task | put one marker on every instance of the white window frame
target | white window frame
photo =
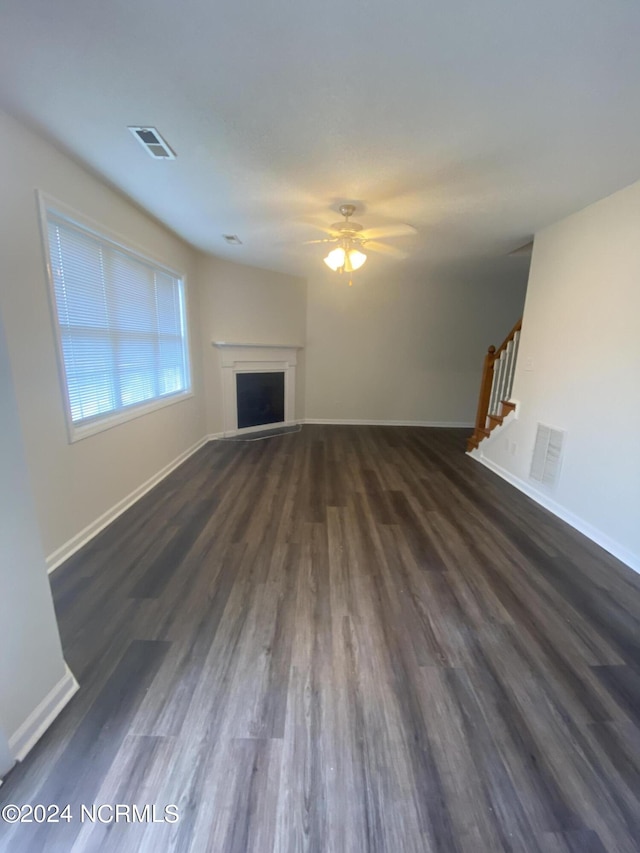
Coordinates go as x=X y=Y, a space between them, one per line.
x=76 y=432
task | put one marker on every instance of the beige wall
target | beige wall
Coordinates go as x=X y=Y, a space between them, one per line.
x=243 y=304
x=398 y=347
x=31 y=663
x=73 y=484
x=578 y=371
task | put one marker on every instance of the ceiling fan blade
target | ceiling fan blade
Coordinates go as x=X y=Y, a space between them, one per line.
x=325 y=240
x=385 y=250
x=399 y=230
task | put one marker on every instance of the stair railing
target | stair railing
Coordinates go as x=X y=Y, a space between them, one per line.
x=497 y=381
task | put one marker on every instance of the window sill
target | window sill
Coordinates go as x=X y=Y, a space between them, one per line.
x=77 y=433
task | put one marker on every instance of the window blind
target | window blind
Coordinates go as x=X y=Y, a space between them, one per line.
x=121 y=321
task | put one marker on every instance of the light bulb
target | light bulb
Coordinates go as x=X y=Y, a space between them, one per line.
x=335 y=259
x=356 y=259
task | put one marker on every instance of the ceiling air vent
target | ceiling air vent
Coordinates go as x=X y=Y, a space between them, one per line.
x=232 y=239
x=152 y=142
x=547 y=453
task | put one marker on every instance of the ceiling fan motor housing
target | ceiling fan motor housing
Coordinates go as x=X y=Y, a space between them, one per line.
x=347 y=228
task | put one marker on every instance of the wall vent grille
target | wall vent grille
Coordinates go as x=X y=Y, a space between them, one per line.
x=547 y=455
x=153 y=143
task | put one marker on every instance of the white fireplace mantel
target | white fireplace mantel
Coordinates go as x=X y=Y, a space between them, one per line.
x=253 y=358
x=262 y=346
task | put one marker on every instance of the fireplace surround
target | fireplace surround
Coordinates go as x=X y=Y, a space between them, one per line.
x=251 y=358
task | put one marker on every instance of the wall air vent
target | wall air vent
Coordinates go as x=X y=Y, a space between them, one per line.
x=232 y=239
x=547 y=454
x=153 y=143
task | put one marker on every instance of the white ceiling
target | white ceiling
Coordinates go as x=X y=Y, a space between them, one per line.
x=476 y=121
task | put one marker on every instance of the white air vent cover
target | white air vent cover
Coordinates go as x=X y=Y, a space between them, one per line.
x=153 y=143
x=547 y=452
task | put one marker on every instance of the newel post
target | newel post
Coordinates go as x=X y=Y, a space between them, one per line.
x=485 y=390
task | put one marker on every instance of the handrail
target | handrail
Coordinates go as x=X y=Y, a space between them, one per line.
x=489 y=388
x=510 y=337
x=485 y=389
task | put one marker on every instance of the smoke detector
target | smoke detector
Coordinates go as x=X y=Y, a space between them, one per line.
x=153 y=143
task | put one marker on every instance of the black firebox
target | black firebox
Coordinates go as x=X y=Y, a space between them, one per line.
x=260 y=398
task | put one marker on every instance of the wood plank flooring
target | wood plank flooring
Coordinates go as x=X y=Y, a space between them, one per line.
x=340 y=640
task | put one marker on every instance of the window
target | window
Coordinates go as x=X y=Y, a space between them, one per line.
x=121 y=327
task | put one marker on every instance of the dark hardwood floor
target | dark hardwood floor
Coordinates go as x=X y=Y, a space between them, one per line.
x=344 y=639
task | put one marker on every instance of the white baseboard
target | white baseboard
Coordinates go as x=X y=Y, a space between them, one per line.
x=41 y=718
x=351 y=422
x=80 y=539
x=619 y=551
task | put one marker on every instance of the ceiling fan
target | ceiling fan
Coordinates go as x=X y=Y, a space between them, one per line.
x=351 y=238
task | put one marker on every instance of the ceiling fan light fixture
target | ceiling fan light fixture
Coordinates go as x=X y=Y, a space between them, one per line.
x=345 y=260
x=350 y=238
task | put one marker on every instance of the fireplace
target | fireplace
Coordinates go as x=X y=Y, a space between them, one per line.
x=258 y=385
